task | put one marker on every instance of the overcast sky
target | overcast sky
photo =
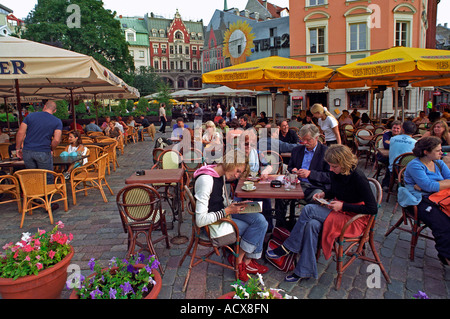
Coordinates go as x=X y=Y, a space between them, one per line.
x=189 y=10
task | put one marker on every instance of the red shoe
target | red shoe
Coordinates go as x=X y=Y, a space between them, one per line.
x=231 y=259
x=243 y=274
x=253 y=267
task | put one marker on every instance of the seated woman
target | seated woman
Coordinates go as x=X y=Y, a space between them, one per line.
x=350 y=194
x=440 y=130
x=212 y=204
x=428 y=174
x=112 y=130
x=74 y=148
x=211 y=136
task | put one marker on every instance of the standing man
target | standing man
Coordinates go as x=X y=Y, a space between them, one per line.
x=38 y=136
x=198 y=113
x=162 y=117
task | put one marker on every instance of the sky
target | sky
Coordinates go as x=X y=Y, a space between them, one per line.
x=189 y=10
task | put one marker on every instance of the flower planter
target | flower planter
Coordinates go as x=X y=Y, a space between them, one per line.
x=48 y=284
x=153 y=294
x=228 y=295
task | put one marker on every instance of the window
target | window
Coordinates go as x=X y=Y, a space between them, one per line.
x=357 y=100
x=171 y=49
x=187 y=66
x=131 y=37
x=155 y=49
x=358 y=36
x=156 y=64
x=402 y=33
x=194 y=65
x=141 y=54
x=164 y=65
x=186 y=50
x=179 y=35
x=316 y=2
x=132 y=53
x=163 y=49
x=194 y=50
x=317 y=40
x=172 y=65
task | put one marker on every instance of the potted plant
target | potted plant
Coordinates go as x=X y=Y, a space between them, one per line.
x=36 y=266
x=255 y=288
x=135 y=278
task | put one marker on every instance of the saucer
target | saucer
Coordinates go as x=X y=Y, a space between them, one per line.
x=248 y=190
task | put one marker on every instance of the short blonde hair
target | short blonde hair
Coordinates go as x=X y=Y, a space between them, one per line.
x=341 y=155
x=210 y=124
x=235 y=158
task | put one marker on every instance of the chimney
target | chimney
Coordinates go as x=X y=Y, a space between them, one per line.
x=265 y=3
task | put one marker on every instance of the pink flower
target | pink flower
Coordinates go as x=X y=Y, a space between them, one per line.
x=37 y=242
x=27 y=258
x=28 y=248
x=16 y=254
x=41 y=231
x=7 y=246
x=39 y=266
x=60 y=224
x=38 y=257
x=51 y=254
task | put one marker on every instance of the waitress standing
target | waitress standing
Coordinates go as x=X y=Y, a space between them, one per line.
x=328 y=124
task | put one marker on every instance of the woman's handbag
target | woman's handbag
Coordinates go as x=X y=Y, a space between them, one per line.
x=285 y=263
x=442 y=199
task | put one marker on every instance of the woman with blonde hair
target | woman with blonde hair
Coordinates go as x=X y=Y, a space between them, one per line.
x=350 y=194
x=213 y=204
x=211 y=136
x=440 y=130
x=328 y=124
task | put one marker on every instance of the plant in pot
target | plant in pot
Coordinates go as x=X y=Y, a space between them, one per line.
x=36 y=266
x=135 y=278
x=255 y=288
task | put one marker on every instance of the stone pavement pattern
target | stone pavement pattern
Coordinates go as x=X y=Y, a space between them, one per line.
x=98 y=233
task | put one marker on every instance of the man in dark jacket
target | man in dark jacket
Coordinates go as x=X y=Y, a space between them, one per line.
x=307 y=161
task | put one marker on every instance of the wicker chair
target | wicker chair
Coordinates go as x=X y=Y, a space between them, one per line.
x=399 y=162
x=272 y=158
x=409 y=216
x=343 y=245
x=141 y=213
x=111 y=150
x=9 y=186
x=35 y=189
x=92 y=173
x=363 y=146
x=95 y=134
x=201 y=237
x=4 y=150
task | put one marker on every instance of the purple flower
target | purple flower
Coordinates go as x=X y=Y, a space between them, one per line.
x=96 y=292
x=148 y=269
x=140 y=259
x=112 y=293
x=131 y=269
x=420 y=295
x=155 y=264
x=126 y=287
x=144 y=289
x=92 y=264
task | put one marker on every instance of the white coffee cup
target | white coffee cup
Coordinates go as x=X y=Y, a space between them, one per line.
x=249 y=185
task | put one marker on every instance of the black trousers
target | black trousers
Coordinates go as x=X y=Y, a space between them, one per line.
x=438 y=222
x=162 y=129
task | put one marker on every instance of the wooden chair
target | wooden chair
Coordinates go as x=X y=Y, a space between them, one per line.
x=9 y=187
x=86 y=139
x=94 y=152
x=347 y=134
x=121 y=143
x=111 y=150
x=379 y=130
x=132 y=135
x=200 y=237
x=363 y=146
x=35 y=189
x=409 y=217
x=192 y=160
x=344 y=246
x=271 y=158
x=4 y=150
x=58 y=150
x=150 y=131
x=95 y=134
x=423 y=128
x=90 y=176
x=141 y=213
x=377 y=165
x=156 y=152
x=399 y=162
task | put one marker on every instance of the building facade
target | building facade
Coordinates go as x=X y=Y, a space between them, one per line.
x=172 y=47
x=235 y=36
x=334 y=33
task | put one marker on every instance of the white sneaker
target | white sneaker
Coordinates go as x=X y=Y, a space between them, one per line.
x=66 y=175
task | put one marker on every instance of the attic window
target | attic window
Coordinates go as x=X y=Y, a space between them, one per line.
x=124 y=25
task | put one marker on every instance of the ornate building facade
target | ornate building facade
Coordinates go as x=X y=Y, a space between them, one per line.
x=172 y=47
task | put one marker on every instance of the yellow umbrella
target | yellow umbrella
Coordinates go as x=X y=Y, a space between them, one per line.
x=420 y=67
x=272 y=73
x=268 y=72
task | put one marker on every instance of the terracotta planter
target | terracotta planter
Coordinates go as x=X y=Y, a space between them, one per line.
x=48 y=284
x=153 y=294
x=228 y=295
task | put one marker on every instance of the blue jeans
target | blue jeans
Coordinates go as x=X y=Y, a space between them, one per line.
x=39 y=160
x=304 y=239
x=252 y=229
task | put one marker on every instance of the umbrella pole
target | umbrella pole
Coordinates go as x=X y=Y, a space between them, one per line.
x=73 y=110
x=19 y=105
x=403 y=103
x=7 y=117
x=396 y=100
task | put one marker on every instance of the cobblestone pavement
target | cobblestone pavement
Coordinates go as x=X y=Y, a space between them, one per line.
x=98 y=234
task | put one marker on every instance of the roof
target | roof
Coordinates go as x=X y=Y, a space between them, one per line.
x=139 y=26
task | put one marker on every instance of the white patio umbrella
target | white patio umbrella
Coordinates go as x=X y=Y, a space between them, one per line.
x=32 y=70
